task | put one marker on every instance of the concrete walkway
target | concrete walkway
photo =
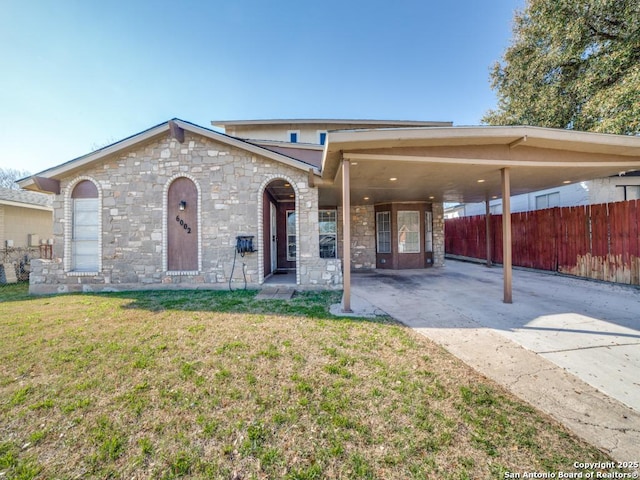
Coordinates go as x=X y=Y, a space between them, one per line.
x=570 y=347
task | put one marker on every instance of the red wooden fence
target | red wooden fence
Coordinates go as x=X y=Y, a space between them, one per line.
x=594 y=241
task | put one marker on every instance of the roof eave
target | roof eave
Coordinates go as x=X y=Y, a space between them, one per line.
x=80 y=162
x=340 y=140
x=32 y=206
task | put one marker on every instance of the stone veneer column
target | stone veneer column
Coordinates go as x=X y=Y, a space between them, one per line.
x=363 y=237
x=438 y=234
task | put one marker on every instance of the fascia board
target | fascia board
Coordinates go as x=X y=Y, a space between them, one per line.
x=25 y=205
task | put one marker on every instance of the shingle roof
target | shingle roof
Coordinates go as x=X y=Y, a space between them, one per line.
x=26 y=197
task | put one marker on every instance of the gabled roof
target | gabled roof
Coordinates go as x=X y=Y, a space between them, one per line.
x=175 y=124
x=23 y=198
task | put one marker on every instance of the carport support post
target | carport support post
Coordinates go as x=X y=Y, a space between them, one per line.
x=487 y=220
x=346 y=237
x=506 y=235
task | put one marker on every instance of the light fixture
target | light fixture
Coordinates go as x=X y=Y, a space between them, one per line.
x=566 y=181
x=481 y=181
x=366 y=198
x=354 y=163
x=287 y=184
x=393 y=179
x=182 y=205
x=431 y=197
x=494 y=197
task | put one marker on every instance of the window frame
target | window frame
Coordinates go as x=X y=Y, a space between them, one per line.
x=81 y=193
x=386 y=213
x=428 y=231
x=290 y=235
x=290 y=134
x=325 y=235
x=547 y=197
x=85 y=234
x=402 y=244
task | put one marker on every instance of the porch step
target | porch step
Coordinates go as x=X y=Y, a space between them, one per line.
x=275 y=293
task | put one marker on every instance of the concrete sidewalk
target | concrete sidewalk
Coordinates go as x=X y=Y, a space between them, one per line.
x=570 y=347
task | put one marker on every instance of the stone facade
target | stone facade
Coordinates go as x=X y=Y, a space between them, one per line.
x=132 y=188
x=132 y=214
x=363 y=237
x=438 y=234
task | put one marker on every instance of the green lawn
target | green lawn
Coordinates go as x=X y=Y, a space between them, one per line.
x=200 y=384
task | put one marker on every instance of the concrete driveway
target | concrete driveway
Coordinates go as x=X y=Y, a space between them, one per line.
x=569 y=346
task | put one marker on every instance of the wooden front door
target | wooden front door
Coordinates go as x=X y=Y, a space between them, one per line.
x=182 y=226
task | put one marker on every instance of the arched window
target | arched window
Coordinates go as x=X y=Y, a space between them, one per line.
x=85 y=228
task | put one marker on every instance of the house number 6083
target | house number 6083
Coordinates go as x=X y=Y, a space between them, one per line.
x=183 y=224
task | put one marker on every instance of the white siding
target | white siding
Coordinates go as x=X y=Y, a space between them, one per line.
x=601 y=190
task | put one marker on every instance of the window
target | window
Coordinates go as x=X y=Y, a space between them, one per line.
x=633 y=192
x=322 y=137
x=291 y=235
x=428 y=231
x=293 y=136
x=383 y=231
x=327 y=226
x=408 y=232
x=629 y=192
x=85 y=227
x=549 y=200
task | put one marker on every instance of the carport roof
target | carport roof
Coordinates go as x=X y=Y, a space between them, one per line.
x=462 y=164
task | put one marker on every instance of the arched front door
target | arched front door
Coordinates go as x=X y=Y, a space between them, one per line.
x=182 y=225
x=279 y=228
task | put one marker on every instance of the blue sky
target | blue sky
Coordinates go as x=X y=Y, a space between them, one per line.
x=81 y=74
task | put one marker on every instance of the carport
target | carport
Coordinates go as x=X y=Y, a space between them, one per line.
x=464 y=164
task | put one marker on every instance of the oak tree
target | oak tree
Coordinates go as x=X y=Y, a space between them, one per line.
x=572 y=64
x=8 y=177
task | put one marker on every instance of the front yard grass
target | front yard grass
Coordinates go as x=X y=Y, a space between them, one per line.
x=201 y=384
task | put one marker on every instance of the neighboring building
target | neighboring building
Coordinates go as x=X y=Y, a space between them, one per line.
x=601 y=190
x=182 y=206
x=26 y=231
x=26 y=218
